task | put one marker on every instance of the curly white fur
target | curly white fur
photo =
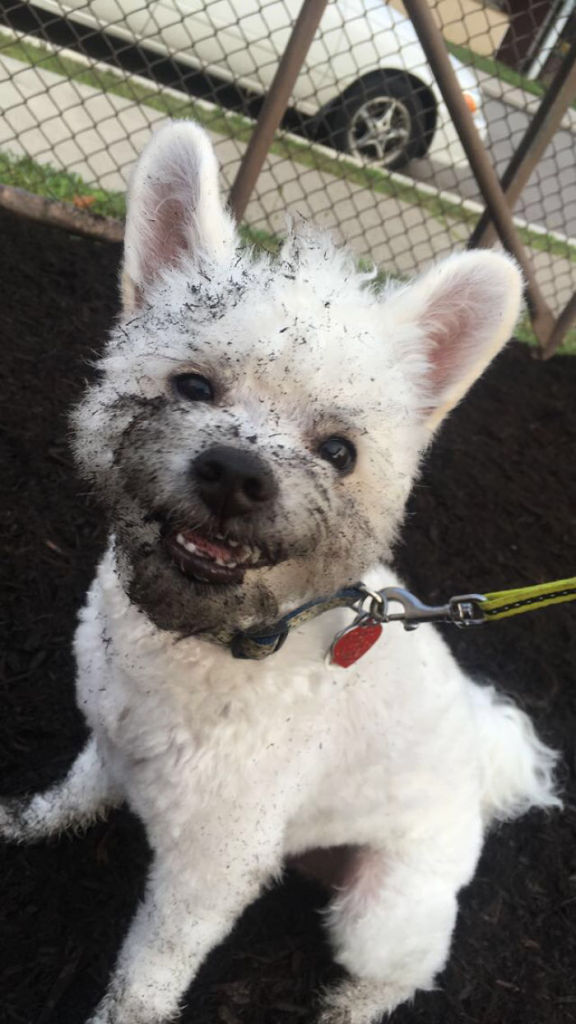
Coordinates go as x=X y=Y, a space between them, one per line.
x=233 y=765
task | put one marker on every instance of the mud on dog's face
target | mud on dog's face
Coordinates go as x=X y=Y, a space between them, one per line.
x=259 y=421
x=234 y=483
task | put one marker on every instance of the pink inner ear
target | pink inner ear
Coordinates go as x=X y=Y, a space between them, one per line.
x=166 y=230
x=447 y=327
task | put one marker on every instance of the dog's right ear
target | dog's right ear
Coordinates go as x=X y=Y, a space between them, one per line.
x=174 y=210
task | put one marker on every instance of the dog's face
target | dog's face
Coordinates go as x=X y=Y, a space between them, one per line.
x=259 y=421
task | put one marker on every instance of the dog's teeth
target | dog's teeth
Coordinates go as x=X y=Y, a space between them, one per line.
x=246 y=555
x=186 y=544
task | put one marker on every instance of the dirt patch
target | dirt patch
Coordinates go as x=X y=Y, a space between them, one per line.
x=494 y=508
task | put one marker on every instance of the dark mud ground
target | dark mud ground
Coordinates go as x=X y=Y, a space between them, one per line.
x=495 y=507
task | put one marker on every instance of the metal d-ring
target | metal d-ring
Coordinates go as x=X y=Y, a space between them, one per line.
x=378 y=607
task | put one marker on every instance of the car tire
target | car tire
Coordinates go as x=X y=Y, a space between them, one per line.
x=382 y=99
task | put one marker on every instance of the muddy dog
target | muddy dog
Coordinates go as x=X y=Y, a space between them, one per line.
x=254 y=433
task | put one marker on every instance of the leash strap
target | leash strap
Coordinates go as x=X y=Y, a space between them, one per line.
x=501 y=604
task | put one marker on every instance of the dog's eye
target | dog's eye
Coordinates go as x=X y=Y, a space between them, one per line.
x=340 y=452
x=193 y=387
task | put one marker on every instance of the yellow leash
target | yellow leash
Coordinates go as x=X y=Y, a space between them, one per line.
x=501 y=604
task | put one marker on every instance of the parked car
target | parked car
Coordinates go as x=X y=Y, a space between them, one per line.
x=365 y=83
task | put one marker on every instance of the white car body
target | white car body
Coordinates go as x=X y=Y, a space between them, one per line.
x=242 y=41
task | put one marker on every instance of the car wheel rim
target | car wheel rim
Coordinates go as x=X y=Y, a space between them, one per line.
x=380 y=130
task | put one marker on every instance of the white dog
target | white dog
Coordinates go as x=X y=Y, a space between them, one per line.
x=254 y=436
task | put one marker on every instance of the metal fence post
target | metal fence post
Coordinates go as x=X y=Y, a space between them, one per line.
x=540 y=130
x=433 y=45
x=563 y=324
x=275 y=103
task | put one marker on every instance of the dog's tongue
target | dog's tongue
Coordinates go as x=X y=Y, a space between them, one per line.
x=209 y=547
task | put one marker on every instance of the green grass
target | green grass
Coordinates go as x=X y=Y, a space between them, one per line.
x=46 y=181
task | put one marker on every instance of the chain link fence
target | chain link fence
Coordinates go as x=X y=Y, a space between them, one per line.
x=366 y=148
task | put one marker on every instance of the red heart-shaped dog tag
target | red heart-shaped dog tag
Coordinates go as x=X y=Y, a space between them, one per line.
x=353 y=642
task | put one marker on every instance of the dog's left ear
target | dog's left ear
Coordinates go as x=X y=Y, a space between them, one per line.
x=465 y=309
x=174 y=210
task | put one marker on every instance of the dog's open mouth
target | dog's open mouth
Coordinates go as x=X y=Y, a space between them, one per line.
x=216 y=559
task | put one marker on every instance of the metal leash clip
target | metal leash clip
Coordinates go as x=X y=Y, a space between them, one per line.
x=373 y=610
x=464 y=610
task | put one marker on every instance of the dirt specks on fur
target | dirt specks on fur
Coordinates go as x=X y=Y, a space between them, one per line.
x=494 y=508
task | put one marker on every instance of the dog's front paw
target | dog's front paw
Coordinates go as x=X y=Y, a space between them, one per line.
x=121 y=1010
x=361 y=1001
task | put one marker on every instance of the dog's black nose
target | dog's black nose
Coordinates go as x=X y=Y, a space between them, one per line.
x=233 y=482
